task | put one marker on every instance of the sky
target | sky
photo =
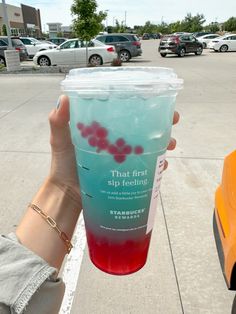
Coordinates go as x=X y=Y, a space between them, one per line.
x=137 y=12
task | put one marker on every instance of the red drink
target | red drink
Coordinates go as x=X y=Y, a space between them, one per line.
x=118 y=258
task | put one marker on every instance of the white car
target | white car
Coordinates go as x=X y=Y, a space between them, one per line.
x=73 y=52
x=223 y=43
x=33 y=45
x=205 y=39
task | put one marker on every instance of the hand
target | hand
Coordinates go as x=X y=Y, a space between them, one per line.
x=59 y=196
x=172 y=143
x=63 y=164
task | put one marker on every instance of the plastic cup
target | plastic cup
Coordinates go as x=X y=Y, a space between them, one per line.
x=120 y=120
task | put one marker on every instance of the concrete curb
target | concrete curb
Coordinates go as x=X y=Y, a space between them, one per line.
x=38 y=70
x=45 y=70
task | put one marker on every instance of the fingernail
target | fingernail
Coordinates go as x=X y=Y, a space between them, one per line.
x=58 y=102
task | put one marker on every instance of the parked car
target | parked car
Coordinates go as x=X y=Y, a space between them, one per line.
x=73 y=52
x=127 y=45
x=224 y=222
x=16 y=44
x=151 y=36
x=199 y=34
x=145 y=36
x=44 y=41
x=156 y=35
x=223 y=43
x=2 y=56
x=58 y=40
x=179 y=45
x=205 y=39
x=181 y=33
x=33 y=45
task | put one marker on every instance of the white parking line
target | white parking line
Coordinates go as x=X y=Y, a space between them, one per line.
x=71 y=270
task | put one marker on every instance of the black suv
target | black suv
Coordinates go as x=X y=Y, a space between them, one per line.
x=127 y=45
x=16 y=44
x=180 y=45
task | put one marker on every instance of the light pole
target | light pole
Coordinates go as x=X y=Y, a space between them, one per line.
x=5 y=18
x=107 y=20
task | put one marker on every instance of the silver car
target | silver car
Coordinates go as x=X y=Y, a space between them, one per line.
x=127 y=45
x=205 y=39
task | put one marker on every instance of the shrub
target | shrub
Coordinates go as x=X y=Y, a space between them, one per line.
x=116 y=62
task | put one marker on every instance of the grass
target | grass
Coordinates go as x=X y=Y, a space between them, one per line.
x=2 y=67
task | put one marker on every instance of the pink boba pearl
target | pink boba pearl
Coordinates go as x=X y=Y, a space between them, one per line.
x=138 y=150
x=119 y=158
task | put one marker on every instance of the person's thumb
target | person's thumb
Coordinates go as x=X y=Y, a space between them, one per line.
x=59 y=124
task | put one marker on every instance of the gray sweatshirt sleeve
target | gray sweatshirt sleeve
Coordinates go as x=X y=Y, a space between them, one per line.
x=27 y=283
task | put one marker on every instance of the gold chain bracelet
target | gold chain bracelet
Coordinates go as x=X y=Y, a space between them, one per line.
x=53 y=224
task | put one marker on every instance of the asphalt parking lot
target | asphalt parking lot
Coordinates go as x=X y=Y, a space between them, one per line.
x=182 y=274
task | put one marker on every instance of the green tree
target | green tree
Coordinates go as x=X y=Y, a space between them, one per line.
x=87 y=23
x=193 y=24
x=119 y=28
x=163 y=28
x=138 y=29
x=212 y=27
x=230 y=24
x=4 y=30
x=45 y=35
x=110 y=29
x=176 y=27
x=149 y=28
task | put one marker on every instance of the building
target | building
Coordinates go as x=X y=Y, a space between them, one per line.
x=15 y=18
x=24 y=20
x=32 y=21
x=66 y=31
x=57 y=30
x=54 y=29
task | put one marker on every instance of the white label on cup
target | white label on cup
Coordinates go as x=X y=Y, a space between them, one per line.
x=155 y=191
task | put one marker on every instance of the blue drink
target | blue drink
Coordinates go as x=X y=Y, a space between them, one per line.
x=120 y=127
